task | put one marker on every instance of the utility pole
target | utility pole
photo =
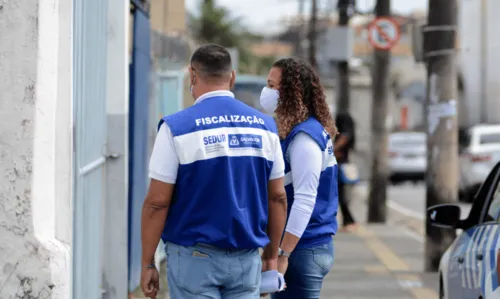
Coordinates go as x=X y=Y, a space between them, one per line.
x=343 y=87
x=377 y=210
x=313 y=34
x=442 y=122
x=299 y=50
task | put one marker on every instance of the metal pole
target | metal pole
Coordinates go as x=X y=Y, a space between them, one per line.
x=442 y=126
x=343 y=86
x=300 y=31
x=312 y=34
x=377 y=210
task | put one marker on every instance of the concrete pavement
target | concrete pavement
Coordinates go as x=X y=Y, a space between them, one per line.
x=379 y=261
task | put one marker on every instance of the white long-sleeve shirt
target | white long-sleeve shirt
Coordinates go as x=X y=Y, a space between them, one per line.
x=306 y=162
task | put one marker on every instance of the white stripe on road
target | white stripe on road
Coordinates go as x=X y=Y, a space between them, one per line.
x=417 y=237
x=405 y=211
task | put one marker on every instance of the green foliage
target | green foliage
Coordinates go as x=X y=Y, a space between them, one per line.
x=264 y=64
x=215 y=24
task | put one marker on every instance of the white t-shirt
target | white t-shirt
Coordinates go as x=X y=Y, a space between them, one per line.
x=164 y=162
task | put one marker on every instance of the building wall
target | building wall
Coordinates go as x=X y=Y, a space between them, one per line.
x=35 y=149
x=168 y=16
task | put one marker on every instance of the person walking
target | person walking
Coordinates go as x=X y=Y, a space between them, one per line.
x=217 y=191
x=344 y=143
x=306 y=130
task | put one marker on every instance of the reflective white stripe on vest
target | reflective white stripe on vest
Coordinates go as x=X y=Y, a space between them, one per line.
x=227 y=141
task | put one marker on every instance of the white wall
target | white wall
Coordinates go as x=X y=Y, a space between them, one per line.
x=493 y=62
x=35 y=150
x=479 y=59
x=115 y=243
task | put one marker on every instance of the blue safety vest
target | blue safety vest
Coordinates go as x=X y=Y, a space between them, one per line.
x=226 y=153
x=323 y=223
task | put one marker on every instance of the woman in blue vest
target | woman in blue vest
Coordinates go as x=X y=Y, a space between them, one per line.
x=306 y=129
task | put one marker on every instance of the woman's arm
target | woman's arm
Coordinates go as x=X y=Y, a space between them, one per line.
x=306 y=161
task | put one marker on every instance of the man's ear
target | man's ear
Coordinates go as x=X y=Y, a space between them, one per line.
x=233 y=79
x=192 y=75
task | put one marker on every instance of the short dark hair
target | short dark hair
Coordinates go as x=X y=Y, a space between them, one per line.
x=212 y=61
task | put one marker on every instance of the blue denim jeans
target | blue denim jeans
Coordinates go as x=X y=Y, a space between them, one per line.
x=307 y=268
x=204 y=271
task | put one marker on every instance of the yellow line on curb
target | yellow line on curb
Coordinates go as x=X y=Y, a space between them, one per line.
x=385 y=254
x=394 y=263
x=376 y=270
x=423 y=293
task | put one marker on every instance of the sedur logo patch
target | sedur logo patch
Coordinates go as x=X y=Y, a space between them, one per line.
x=245 y=141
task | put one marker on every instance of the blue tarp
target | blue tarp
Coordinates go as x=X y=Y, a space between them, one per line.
x=138 y=139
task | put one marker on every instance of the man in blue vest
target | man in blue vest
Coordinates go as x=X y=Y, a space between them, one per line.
x=217 y=192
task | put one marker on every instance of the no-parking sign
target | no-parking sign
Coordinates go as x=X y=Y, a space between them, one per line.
x=383 y=33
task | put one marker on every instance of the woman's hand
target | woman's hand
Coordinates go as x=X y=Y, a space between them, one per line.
x=282 y=264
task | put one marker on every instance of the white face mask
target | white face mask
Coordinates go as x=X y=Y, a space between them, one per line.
x=269 y=99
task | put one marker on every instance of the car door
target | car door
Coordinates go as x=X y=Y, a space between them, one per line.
x=464 y=272
x=459 y=279
x=487 y=250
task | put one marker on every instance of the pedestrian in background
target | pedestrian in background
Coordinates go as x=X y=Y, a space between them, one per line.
x=216 y=188
x=306 y=129
x=344 y=143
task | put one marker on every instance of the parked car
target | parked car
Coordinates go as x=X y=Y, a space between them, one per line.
x=470 y=267
x=247 y=88
x=479 y=151
x=407 y=156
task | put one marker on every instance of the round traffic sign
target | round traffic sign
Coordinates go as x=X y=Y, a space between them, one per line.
x=383 y=33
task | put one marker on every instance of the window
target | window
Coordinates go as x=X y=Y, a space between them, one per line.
x=489 y=138
x=464 y=139
x=248 y=93
x=494 y=208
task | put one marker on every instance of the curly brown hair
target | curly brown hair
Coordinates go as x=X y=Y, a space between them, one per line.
x=301 y=96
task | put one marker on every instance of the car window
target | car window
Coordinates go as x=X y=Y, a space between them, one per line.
x=494 y=210
x=464 y=138
x=248 y=93
x=482 y=201
x=493 y=213
x=489 y=138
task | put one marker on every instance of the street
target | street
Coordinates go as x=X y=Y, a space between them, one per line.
x=407 y=199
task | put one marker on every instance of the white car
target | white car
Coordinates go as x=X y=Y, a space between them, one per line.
x=407 y=156
x=479 y=151
x=470 y=269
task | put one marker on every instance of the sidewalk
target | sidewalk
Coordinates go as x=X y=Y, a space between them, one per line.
x=378 y=261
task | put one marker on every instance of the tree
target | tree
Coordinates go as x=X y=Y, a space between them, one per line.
x=215 y=24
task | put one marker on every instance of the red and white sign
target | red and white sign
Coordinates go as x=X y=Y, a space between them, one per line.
x=383 y=33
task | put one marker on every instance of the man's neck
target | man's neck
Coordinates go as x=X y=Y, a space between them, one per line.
x=212 y=88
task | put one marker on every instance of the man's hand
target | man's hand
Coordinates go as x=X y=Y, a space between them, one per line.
x=150 y=282
x=282 y=264
x=267 y=265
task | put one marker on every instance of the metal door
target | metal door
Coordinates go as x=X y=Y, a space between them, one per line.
x=138 y=139
x=89 y=112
